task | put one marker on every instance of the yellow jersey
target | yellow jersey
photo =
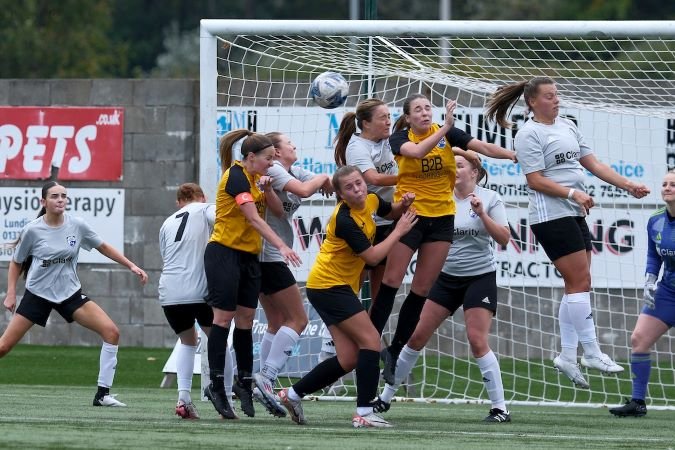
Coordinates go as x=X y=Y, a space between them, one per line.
x=231 y=228
x=349 y=232
x=431 y=178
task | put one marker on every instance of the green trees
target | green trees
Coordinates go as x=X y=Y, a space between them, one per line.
x=136 y=38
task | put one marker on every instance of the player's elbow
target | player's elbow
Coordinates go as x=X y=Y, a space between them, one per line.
x=370 y=257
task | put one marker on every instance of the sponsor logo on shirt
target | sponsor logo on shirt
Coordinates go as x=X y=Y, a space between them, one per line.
x=48 y=262
x=385 y=168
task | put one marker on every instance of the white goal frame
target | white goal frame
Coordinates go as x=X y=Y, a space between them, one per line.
x=211 y=29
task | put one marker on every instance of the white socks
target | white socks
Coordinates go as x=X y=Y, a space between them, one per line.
x=265 y=346
x=492 y=377
x=406 y=361
x=185 y=362
x=282 y=347
x=581 y=315
x=293 y=395
x=107 y=365
x=568 y=334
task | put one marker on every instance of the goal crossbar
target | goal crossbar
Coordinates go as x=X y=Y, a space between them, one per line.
x=437 y=28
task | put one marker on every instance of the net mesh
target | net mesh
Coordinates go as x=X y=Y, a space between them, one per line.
x=620 y=92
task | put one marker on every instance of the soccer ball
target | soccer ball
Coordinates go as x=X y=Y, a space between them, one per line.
x=329 y=90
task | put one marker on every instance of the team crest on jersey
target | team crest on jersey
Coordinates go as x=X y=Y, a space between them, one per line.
x=71 y=240
x=472 y=214
x=441 y=143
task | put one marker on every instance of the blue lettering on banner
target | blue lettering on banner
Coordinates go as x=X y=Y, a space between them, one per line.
x=317 y=166
x=333 y=128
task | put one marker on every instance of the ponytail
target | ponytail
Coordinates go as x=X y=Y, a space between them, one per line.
x=400 y=123
x=482 y=173
x=344 y=134
x=503 y=100
x=253 y=144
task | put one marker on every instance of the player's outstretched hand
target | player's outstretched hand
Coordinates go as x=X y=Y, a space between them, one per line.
x=407 y=220
x=290 y=256
x=140 y=272
x=450 y=112
x=637 y=190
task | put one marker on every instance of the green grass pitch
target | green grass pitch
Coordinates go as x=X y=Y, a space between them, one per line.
x=46 y=395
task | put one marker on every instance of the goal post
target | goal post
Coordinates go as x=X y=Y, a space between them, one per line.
x=615 y=80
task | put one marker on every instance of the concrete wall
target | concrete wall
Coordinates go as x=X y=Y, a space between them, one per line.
x=160 y=138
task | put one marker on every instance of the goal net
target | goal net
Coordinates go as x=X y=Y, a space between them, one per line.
x=615 y=80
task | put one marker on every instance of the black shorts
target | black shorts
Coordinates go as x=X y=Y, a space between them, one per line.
x=232 y=276
x=276 y=276
x=37 y=309
x=562 y=237
x=334 y=305
x=430 y=229
x=381 y=233
x=478 y=291
x=182 y=317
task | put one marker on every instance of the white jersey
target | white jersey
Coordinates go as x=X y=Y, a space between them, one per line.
x=554 y=150
x=471 y=251
x=53 y=273
x=182 y=241
x=283 y=226
x=367 y=155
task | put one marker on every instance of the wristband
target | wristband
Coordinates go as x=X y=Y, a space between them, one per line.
x=571 y=193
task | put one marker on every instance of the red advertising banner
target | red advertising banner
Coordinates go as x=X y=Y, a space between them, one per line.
x=83 y=143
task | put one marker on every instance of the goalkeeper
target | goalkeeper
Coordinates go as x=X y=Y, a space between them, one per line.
x=658 y=312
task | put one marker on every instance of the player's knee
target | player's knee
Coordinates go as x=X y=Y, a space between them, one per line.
x=111 y=334
x=348 y=361
x=582 y=282
x=4 y=348
x=477 y=342
x=637 y=341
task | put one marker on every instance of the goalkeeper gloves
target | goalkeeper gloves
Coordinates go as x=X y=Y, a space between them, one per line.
x=650 y=287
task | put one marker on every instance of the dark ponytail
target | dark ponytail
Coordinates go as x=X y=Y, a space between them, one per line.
x=505 y=98
x=482 y=173
x=344 y=134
